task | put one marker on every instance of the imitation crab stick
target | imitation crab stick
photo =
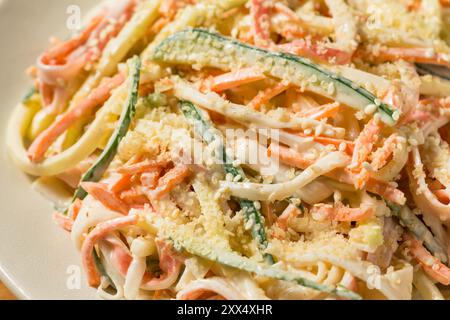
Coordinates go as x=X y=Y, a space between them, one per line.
x=341 y=213
x=264 y=96
x=40 y=145
x=235 y=79
x=295 y=159
x=260 y=14
x=430 y=264
x=102 y=193
x=99 y=232
x=168 y=263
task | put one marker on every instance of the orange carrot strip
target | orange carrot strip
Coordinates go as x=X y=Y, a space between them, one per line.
x=99 y=232
x=364 y=144
x=134 y=197
x=264 y=96
x=76 y=207
x=260 y=13
x=101 y=193
x=349 y=145
x=150 y=179
x=380 y=158
x=414 y=55
x=445 y=3
x=121 y=183
x=436 y=102
x=63 y=221
x=169 y=181
x=144 y=166
x=322 y=112
x=294 y=159
x=316 y=51
x=429 y=263
x=40 y=145
x=235 y=79
x=289 y=213
x=56 y=54
x=342 y=213
x=442 y=195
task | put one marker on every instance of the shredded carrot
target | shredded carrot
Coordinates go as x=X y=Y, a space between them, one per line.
x=341 y=213
x=322 y=112
x=430 y=264
x=169 y=181
x=144 y=166
x=289 y=213
x=75 y=208
x=59 y=52
x=134 y=197
x=316 y=51
x=264 y=96
x=442 y=195
x=40 y=145
x=295 y=159
x=235 y=79
x=102 y=193
x=63 y=221
x=414 y=55
x=99 y=232
x=443 y=103
x=260 y=13
x=121 y=182
x=338 y=143
x=434 y=185
x=364 y=144
x=380 y=158
x=150 y=179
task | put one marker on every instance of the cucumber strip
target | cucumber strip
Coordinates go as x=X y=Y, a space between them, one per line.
x=97 y=170
x=251 y=214
x=438 y=71
x=420 y=231
x=30 y=93
x=198 y=247
x=206 y=49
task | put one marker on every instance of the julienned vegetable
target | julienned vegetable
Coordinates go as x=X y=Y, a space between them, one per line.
x=200 y=248
x=419 y=229
x=209 y=135
x=206 y=49
x=96 y=172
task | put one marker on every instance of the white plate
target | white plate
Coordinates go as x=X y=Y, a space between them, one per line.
x=35 y=255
